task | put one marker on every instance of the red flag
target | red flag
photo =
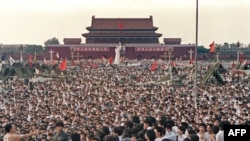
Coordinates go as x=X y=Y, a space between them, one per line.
x=153 y=66
x=233 y=65
x=63 y=65
x=212 y=47
x=94 y=66
x=30 y=58
x=173 y=64
x=110 y=60
x=120 y=26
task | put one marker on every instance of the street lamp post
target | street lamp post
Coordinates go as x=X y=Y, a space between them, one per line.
x=217 y=57
x=1 y=45
x=169 y=61
x=238 y=52
x=78 y=57
x=165 y=56
x=21 y=53
x=72 y=54
x=51 y=55
x=169 y=56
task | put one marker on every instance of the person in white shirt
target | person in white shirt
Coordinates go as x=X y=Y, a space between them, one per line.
x=220 y=134
x=169 y=133
x=203 y=135
x=159 y=133
x=181 y=133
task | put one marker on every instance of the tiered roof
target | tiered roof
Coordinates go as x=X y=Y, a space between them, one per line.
x=123 y=27
x=122 y=23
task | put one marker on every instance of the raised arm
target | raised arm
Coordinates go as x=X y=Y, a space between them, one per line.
x=24 y=135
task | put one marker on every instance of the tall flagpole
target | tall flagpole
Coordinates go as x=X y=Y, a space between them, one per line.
x=1 y=51
x=21 y=53
x=196 y=44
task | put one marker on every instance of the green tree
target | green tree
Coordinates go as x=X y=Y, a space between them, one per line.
x=33 y=48
x=218 y=47
x=226 y=44
x=202 y=49
x=52 y=41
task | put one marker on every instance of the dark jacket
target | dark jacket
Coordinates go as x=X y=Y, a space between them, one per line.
x=62 y=136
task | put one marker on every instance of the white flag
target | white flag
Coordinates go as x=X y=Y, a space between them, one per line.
x=11 y=60
x=45 y=61
x=21 y=58
x=57 y=55
x=37 y=71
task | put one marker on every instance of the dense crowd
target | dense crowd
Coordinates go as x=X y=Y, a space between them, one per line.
x=125 y=103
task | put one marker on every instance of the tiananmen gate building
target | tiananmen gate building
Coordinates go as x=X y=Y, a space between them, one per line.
x=138 y=36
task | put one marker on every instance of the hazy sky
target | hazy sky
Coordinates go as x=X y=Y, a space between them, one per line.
x=35 y=21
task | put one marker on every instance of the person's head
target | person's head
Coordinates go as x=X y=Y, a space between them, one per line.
x=215 y=129
x=49 y=136
x=118 y=130
x=181 y=130
x=75 y=137
x=202 y=127
x=147 y=123
x=171 y=122
x=209 y=128
x=162 y=123
x=165 y=139
x=184 y=124
x=128 y=124
x=59 y=126
x=216 y=121
x=187 y=139
x=223 y=123
x=169 y=127
x=194 y=137
x=111 y=138
x=159 y=131
x=150 y=135
x=10 y=128
x=136 y=119
x=105 y=129
x=189 y=132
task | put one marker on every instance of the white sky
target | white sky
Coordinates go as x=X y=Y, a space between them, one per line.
x=35 y=21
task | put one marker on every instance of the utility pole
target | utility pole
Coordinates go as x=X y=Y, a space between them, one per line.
x=196 y=44
x=21 y=53
x=1 y=45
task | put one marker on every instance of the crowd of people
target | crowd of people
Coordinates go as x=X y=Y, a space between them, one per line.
x=123 y=103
